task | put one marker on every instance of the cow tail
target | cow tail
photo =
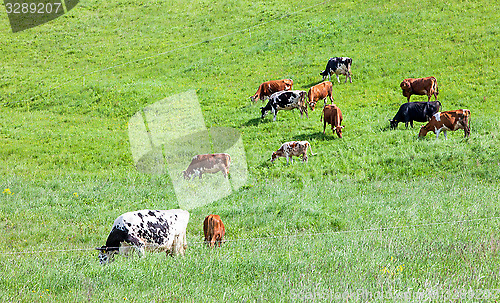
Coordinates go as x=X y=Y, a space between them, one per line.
x=436 y=86
x=312 y=154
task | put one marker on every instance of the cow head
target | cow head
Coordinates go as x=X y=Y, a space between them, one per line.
x=423 y=131
x=406 y=87
x=324 y=74
x=252 y=98
x=288 y=84
x=263 y=111
x=186 y=175
x=106 y=254
x=312 y=104
x=274 y=156
x=394 y=123
x=338 y=130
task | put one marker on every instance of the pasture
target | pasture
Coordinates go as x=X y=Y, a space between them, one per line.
x=376 y=215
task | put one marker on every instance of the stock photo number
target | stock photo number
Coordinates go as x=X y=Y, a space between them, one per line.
x=33 y=8
x=25 y=14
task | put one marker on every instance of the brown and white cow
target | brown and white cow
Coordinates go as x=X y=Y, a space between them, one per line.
x=320 y=92
x=214 y=230
x=208 y=163
x=293 y=148
x=449 y=120
x=268 y=88
x=333 y=116
x=421 y=86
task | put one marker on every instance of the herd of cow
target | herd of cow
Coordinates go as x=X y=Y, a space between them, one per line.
x=165 y=230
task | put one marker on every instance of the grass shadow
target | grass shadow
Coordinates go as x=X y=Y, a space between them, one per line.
x=318 y=136
x=256 y=121
x=309 y=85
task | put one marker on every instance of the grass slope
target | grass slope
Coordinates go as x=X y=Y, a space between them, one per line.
x=378 y=211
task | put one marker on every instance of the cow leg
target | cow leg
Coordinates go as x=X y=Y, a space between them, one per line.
x=286 y=159
x=411 y=123
x=304 y=157
x=138 y=244
x=406 y=124
x=437 y=133
x=275 y=112
x=324 y=126
x=338 y=80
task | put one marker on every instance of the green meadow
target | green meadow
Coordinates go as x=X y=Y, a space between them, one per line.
x=378 y=216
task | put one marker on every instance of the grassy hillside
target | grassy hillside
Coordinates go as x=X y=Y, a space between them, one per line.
x=377 y=211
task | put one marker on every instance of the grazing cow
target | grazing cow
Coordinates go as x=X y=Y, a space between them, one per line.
x=449 y=120
x=320 y=92
x=338 y=66
x=290 y=149
x=333 y=116
x=214 y=230
x=268 y=88
x=152 y=230
x=415 y=111
x=286 y=100
x=208 y=163
x=421 y=86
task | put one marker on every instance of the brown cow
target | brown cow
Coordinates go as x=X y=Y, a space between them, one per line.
x=333 y=116
x=214 y=230
x=268 y=88
x=449 y=120
x=320 y=92
x=208 y=163
x=421 y=86
x=290 y=149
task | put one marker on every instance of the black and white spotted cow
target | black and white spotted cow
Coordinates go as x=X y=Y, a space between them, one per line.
x=286 y=100
x=338 y=66
x=151 y=230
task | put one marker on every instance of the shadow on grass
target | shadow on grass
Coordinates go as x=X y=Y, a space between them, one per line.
x=256 y=121
x=313 y=83
x=318 y=136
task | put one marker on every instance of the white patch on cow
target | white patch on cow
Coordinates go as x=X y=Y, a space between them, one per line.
x=437 y=116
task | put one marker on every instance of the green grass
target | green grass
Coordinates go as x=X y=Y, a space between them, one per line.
x=378 y=210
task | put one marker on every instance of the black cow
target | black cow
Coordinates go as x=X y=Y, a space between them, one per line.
x=338 y=66
x=415 y=111
x=286 y=100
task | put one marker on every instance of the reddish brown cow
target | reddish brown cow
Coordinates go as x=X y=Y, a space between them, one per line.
x=449 y=120
x=214 y=230
x=208 y=163
x=268 y=88
x=320 y=92
x=333 y=116
x=421 y=86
